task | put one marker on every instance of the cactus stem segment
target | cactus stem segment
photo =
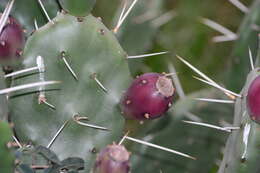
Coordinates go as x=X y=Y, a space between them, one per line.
x=251 y=58
x=226 y=129
x=123 y=17
x=239 y=5
x=94 y=76
x=26 y=86
x=4 y=17
x=146 y=55
x=68 y=65
x=229 y=93
x=216 y=100
x=159 y=147
x=45 y=12
x=78 y=119
x=57 y=134
x=227 y=34
x=17 y=142
x=36 y=25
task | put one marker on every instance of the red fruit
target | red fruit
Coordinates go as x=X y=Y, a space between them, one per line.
x=12 y=40
x=112 y=159
x=148 y=97
x=253 y=100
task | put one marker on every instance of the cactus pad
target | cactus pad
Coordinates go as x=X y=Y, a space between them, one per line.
x=78 y=7
x=90 y=90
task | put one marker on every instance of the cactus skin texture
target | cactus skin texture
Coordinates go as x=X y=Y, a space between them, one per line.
x=112 y=159
x=94 y=54
x=241 y=152
x=253 y=100
x=7 y=158
x=78 y=8
x=12 y=40
x=148 y=97
x=3 y=101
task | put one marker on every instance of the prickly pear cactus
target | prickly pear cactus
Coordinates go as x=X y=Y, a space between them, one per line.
x=86 y=57
x=241 y=153
x=3 y=101
x=79 y=8
x=7 y=158
x=67 y=124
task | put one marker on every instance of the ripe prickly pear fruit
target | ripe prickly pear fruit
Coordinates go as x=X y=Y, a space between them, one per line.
x=12 y=40
x=253 y=100
x=112 y=159
x=148 y=97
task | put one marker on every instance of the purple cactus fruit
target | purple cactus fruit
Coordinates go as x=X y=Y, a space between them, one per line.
x=12 y=40
x=253 y=100
x=148 y=97
x=112 y=159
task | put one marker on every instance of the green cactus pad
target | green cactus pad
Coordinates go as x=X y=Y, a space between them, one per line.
x=78 y=7
x=95 y=56
x=7 y=159
x=3 y=101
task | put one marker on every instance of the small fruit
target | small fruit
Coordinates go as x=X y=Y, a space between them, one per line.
x=148 y=97
x=112 y=159
x=253 y=100
x=12 y=40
